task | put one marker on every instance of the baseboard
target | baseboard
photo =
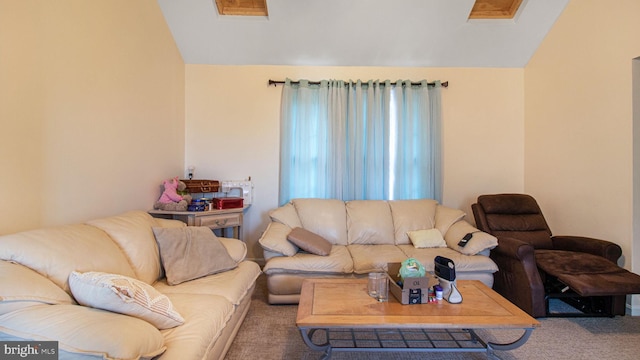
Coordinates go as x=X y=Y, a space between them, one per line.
x=632 y=310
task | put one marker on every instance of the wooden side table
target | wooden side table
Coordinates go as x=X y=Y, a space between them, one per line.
x=214 y=219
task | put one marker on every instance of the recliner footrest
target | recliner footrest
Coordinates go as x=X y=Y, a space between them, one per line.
x=620 y=283
x=588 y=274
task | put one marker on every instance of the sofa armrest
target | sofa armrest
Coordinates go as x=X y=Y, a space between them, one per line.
x=604 y=248
x=274 y=240
x=518 y=278
x=169 y=223
x=237 y=249
x=478 y=241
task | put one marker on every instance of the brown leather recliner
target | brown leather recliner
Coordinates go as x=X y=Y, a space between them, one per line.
x=535 y=266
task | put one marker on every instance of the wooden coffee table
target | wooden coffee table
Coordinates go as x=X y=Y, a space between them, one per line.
x=353 y=321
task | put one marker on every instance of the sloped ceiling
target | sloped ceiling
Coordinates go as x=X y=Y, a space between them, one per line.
x=432 y=33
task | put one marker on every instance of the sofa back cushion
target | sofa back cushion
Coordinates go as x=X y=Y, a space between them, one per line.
x=410 y=215
x=22 y=287
x=369 y=222
x=446 y=217
x=132 y=231
x=56 y=252
x=325 y=217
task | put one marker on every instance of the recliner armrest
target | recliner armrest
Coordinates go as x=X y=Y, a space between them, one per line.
x=518 y=278
x=607 y=249
x=514 y=248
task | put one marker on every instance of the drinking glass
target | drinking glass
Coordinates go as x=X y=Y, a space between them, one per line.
x=383 y=288
x=373 y=284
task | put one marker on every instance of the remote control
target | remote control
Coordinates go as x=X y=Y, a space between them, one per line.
x=465 y=240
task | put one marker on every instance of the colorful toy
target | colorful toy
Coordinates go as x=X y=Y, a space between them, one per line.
x=411 y=268
x=170 y=199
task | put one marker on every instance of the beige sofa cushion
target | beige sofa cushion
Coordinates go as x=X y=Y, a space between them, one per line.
x=463 y=263
x=205 y=318
x=370 y=258
x=83 y=248
x=325 y=217
x=92 y=332
x=409 y=215
x=338 y=262
x=22 y=287
x=369 y=222
x=445 y=217
x=124 y=295
x=132 y=232
x=232 y=285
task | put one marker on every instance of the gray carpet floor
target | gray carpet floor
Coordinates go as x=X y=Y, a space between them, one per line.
x=269 y=333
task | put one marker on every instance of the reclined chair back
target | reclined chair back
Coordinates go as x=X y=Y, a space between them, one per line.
x=513 y=215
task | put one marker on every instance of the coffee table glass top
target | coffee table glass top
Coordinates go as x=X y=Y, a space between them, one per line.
x=345 y=303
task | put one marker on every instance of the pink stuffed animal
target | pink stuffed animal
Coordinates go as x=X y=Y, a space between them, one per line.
x=170 y=193
x=170 y=199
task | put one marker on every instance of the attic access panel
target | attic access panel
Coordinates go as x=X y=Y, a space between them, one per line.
x=242 y=7
x=495 y=9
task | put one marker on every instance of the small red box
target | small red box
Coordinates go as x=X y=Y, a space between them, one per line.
x=228 y=203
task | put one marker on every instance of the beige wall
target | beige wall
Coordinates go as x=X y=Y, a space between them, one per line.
x=232 y=128
x=578 y=111
x=96 y=107
x=91 y=107
x=578 y=121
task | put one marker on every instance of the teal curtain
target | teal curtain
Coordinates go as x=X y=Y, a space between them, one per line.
x=360 y=140
x=416 y=171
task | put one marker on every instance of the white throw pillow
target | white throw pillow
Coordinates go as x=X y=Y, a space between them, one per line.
x=124 y=295
x=428 y=238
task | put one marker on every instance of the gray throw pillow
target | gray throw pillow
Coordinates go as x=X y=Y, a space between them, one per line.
x=310 y=242
x=191 y=252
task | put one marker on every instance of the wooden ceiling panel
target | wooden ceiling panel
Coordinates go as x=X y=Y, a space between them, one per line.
x=242 y=7
x=495 y=9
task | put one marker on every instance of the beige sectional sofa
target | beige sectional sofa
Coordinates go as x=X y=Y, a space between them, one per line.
x=365 y=236
x=116 y=265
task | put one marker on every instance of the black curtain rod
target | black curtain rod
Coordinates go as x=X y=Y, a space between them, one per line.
x=276 y=82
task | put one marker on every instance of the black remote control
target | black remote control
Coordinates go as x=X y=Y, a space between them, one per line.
x=465 y=240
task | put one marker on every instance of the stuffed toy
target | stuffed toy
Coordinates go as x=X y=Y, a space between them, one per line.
x=170 y=199
x=411 y=268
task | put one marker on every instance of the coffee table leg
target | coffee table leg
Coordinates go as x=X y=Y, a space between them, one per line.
x=307 y=334
x=503 y=347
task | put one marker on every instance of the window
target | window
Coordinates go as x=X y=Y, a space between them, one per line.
x=360 y=140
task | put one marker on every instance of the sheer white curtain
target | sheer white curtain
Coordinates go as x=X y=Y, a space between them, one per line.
x=360 y=140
